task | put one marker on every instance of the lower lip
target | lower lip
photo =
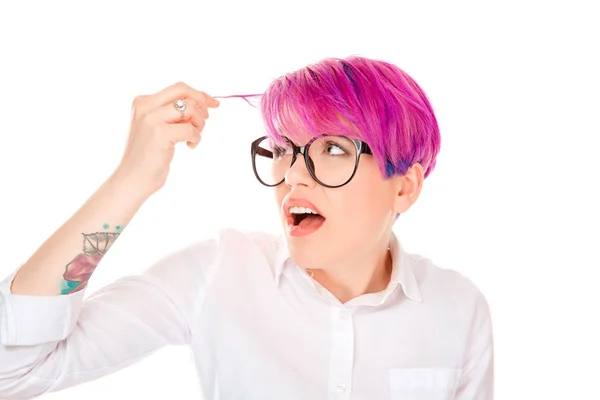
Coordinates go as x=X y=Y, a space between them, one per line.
x=298 y=230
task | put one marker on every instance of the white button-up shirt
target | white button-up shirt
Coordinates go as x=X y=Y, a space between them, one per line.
x=259 y=328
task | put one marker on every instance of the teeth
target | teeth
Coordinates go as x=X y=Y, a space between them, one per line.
x=302 y=210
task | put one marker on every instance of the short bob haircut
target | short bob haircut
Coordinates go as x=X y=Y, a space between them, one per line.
x=371 y=100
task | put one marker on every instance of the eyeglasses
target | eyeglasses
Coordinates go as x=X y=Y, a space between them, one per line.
x=331 y=160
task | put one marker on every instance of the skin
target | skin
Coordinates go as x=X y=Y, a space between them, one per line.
x=363 y=213
x=79 y=271
x=66 y=260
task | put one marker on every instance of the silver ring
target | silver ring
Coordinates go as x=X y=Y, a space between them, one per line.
x=180 y=106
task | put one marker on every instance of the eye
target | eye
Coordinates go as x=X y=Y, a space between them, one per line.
x=280 y=151
x=334 y=149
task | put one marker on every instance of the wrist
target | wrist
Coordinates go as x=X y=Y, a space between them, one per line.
x=120 y=186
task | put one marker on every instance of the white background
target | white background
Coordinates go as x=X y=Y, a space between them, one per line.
x=512 y=204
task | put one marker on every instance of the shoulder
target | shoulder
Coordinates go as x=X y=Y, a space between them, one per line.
x=447 y=286
x=222 y=245
x=235 y=248
x=195 y=266
x=230 y=241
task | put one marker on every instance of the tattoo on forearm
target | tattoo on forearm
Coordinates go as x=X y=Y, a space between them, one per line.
x=80 y=269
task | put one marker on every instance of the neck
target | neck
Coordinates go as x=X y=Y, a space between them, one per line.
x=370 y=273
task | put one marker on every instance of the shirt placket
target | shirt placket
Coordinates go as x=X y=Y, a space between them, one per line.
x=342 y=353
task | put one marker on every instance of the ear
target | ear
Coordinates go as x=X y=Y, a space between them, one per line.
x=409 y=188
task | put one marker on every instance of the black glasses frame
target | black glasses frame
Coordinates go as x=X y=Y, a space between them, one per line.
x=361 y=148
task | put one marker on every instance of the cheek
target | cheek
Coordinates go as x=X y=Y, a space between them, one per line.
x=368 y=198
x=280 y=192
x=363 y=205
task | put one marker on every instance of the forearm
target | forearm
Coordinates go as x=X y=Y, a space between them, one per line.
x=66 y=260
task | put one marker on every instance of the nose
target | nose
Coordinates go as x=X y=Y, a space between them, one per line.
x=298 y=174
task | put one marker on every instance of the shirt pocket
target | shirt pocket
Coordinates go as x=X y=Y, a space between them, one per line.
x=423 y=383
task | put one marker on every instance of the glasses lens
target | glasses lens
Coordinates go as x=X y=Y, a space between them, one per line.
x=333 y=159
x=272 y=160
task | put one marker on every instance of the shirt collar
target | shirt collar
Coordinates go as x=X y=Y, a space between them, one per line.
x=402 y=272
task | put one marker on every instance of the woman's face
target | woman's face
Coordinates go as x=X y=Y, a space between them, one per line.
x=354 y=220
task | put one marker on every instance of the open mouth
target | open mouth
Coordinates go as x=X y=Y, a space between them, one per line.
x=304 y=218
x=307 y=219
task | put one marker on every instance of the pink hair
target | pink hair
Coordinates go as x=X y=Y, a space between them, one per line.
x=371 y=100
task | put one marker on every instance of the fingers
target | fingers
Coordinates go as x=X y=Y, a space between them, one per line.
x=182 y=91
x=158 y=111
x=184 y=132
x=194 y=114
x=145 y=104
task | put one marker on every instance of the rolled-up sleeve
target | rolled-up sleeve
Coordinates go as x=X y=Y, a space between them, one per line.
x=19 y=326
x=48 y=343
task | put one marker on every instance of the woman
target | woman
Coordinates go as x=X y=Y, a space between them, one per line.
x=333 y=308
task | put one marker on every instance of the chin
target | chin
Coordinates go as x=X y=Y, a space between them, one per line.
x=309 y=248
x=303 y=254
x=304 y=259
x=309 y=255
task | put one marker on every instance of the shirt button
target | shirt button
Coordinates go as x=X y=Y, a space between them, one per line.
x=341 y=388
x=344 y=314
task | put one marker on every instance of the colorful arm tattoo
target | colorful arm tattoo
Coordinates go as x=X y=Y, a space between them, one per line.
x=80 y=269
